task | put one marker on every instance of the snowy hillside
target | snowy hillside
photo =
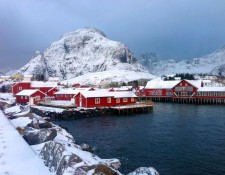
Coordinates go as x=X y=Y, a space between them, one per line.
x=107 y=77
x=212 y=63
x=83 y=51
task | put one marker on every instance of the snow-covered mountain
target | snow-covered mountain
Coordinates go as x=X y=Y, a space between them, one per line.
x=83 y=51
x=213 y=63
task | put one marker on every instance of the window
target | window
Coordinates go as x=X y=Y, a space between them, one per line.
x=180 y=84
x=20 y=88
x=25 y=97
x=186 y=84
x=21 y=97
x=168 y=93
x=109 y=99
x=117 y=100
x=132 y=99
x=97 y=100
x=37 y=98
x=125 y=100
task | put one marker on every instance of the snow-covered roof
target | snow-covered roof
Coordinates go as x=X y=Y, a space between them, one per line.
x=123 y=88
x=160 y=84
x=196 y=83
x=103 y=93
x=53 y=79
x=124 y=94
x=67 y=91
x=99 y=93
x=211 y=89
x=43 y=84
x=28 y=92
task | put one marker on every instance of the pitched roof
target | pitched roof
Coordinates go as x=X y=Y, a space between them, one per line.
x=211 y=89
x=67 y=91
x=123 y=94
x=160 y=84
x=27 y=92
x=98 y=93
x=38 y=84
x=103 y=93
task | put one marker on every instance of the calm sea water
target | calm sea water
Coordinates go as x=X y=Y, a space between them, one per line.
x=175 y=138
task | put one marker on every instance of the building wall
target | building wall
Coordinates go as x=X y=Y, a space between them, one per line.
x=81 y=101
x=26 y=99
x=158 y=92
x=184 y=89
x=66 y=97
x=24 y=85
x=52 y=92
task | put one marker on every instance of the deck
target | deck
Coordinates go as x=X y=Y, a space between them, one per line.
x=133 y=108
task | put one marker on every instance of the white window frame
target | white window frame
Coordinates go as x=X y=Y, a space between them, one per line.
x=109 y=100
x=125 y=100
x=21 y=97
x=132 y=99
x=20 y=88
x=97 y=100
x=118 y=100
x=37 y=98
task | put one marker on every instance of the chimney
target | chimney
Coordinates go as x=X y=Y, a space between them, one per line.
x=202 y=84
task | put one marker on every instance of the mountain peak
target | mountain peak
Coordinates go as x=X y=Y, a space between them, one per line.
x=86 y=31
x=86 y=50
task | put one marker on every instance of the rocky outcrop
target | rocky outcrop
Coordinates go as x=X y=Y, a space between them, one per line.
x=58 y=160
x=144 y=171
x=102 y=169
x=39 y=136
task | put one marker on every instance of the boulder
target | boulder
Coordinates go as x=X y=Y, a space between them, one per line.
x=86 y=147
x=113 y=163
x=52 y=154
x=39 y=136
x=102 y=169
x=45 y=124
x=144 y=171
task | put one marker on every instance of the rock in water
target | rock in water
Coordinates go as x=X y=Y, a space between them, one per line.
x=144 y=171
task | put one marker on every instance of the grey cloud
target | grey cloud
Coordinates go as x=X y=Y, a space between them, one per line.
x=172 y=28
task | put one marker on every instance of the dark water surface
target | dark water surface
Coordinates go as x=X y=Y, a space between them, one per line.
x=175 y=139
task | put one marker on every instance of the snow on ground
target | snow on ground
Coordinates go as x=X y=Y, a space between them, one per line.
x=13 y=110
x=17 y=159
x=61 y=102
x=7 y=97
x=49 y=109
x=107 y=77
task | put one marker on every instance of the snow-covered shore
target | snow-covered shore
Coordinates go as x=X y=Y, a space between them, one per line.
x=53 y=149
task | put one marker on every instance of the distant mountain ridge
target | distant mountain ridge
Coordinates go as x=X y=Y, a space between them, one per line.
x=213 y=63
x=83 y=51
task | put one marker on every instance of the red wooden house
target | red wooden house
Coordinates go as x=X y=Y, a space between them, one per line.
x=65 y=94
x=46 y=87
x=160 y=88
x=30 y=96
x=185 y=89
x=101 y=98
x=17 y=87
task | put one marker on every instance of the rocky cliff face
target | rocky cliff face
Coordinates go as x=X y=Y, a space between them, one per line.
x=82 y=51
x=210 y=64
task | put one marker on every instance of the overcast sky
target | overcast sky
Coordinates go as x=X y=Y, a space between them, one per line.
x=171 y=28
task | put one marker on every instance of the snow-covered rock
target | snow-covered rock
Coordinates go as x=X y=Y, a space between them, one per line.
x=83 y=51
x=144 y=171
x=212 y=63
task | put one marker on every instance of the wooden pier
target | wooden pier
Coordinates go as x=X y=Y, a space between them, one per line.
x=133 y=108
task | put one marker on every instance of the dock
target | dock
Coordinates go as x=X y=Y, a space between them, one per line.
x=133 y=108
